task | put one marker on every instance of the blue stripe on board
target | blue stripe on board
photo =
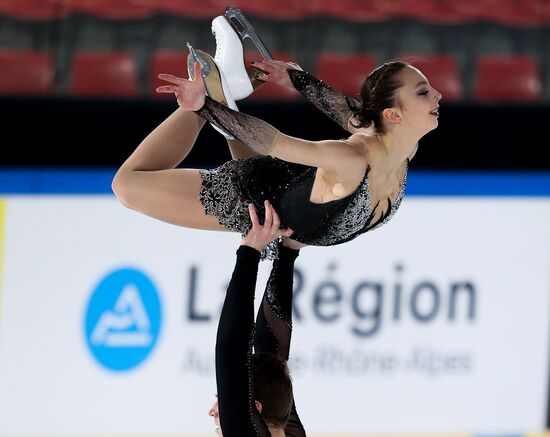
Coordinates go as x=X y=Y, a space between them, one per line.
x=58 y=181
x=420 y=183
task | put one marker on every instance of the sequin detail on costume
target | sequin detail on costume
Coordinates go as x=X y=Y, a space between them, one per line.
x=221 y=197
x=397 y=203
x=273 y=302
x=260 y=426
x=350 y=221
x=334 y=104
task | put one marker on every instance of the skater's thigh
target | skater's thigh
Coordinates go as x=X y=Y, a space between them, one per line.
x=169 y=195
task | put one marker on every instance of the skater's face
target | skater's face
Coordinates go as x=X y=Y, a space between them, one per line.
x=418 y=101
x=215 y=414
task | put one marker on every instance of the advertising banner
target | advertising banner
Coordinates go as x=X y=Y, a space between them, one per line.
x=437 y=322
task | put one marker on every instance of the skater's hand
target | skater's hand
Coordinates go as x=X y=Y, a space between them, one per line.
x=189 y=93
x=259 y=236
x=276 y=71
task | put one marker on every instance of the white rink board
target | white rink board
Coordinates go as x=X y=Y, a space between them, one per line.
x=412 y=368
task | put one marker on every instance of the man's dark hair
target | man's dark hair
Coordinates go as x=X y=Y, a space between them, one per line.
x=272 y=386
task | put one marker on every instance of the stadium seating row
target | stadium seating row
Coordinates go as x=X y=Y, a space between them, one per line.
x=115 y=74
x=526 y=13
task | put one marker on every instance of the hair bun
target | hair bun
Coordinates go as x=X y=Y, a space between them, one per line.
x=378 y=92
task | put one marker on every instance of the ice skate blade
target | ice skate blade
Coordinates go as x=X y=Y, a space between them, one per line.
x=214 y=82
x=245 y=30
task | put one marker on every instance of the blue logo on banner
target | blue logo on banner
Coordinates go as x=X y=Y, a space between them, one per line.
x=123 y=319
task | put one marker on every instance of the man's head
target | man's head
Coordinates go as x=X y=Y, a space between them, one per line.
x=271 y=390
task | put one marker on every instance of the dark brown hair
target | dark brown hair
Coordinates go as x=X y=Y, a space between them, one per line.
x=272 y=386
x=378 y=92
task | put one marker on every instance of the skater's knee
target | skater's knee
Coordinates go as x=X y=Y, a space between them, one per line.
x=121 y=186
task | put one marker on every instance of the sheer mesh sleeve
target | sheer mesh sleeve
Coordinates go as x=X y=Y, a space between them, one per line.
x=255 y=133
x=334 y=104
x=274 y=321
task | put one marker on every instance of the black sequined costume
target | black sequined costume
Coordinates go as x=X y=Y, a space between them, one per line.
x=227 y=190
x=237 y=333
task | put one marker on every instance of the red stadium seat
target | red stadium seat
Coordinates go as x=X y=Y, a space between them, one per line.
x=103 y=74
x=274 y=9
x=512 y=13
x=508 y=12
x=26 y=73
x=112 y=10
x=507 y=78
x=344 y=72
x=442 y=72
x=352 y=10
x=427 y=10
x=539 y=8
x=167 y=61
x=204 y=9
x=33 y=9
x=271 y=91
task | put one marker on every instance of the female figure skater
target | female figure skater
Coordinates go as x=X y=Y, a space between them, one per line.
x=255 y=395
x=328 y=192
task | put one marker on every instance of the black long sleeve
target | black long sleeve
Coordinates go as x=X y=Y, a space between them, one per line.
x=238 y=414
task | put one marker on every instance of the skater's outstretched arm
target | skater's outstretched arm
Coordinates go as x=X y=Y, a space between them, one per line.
x=341 y=158
x=265 y=139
